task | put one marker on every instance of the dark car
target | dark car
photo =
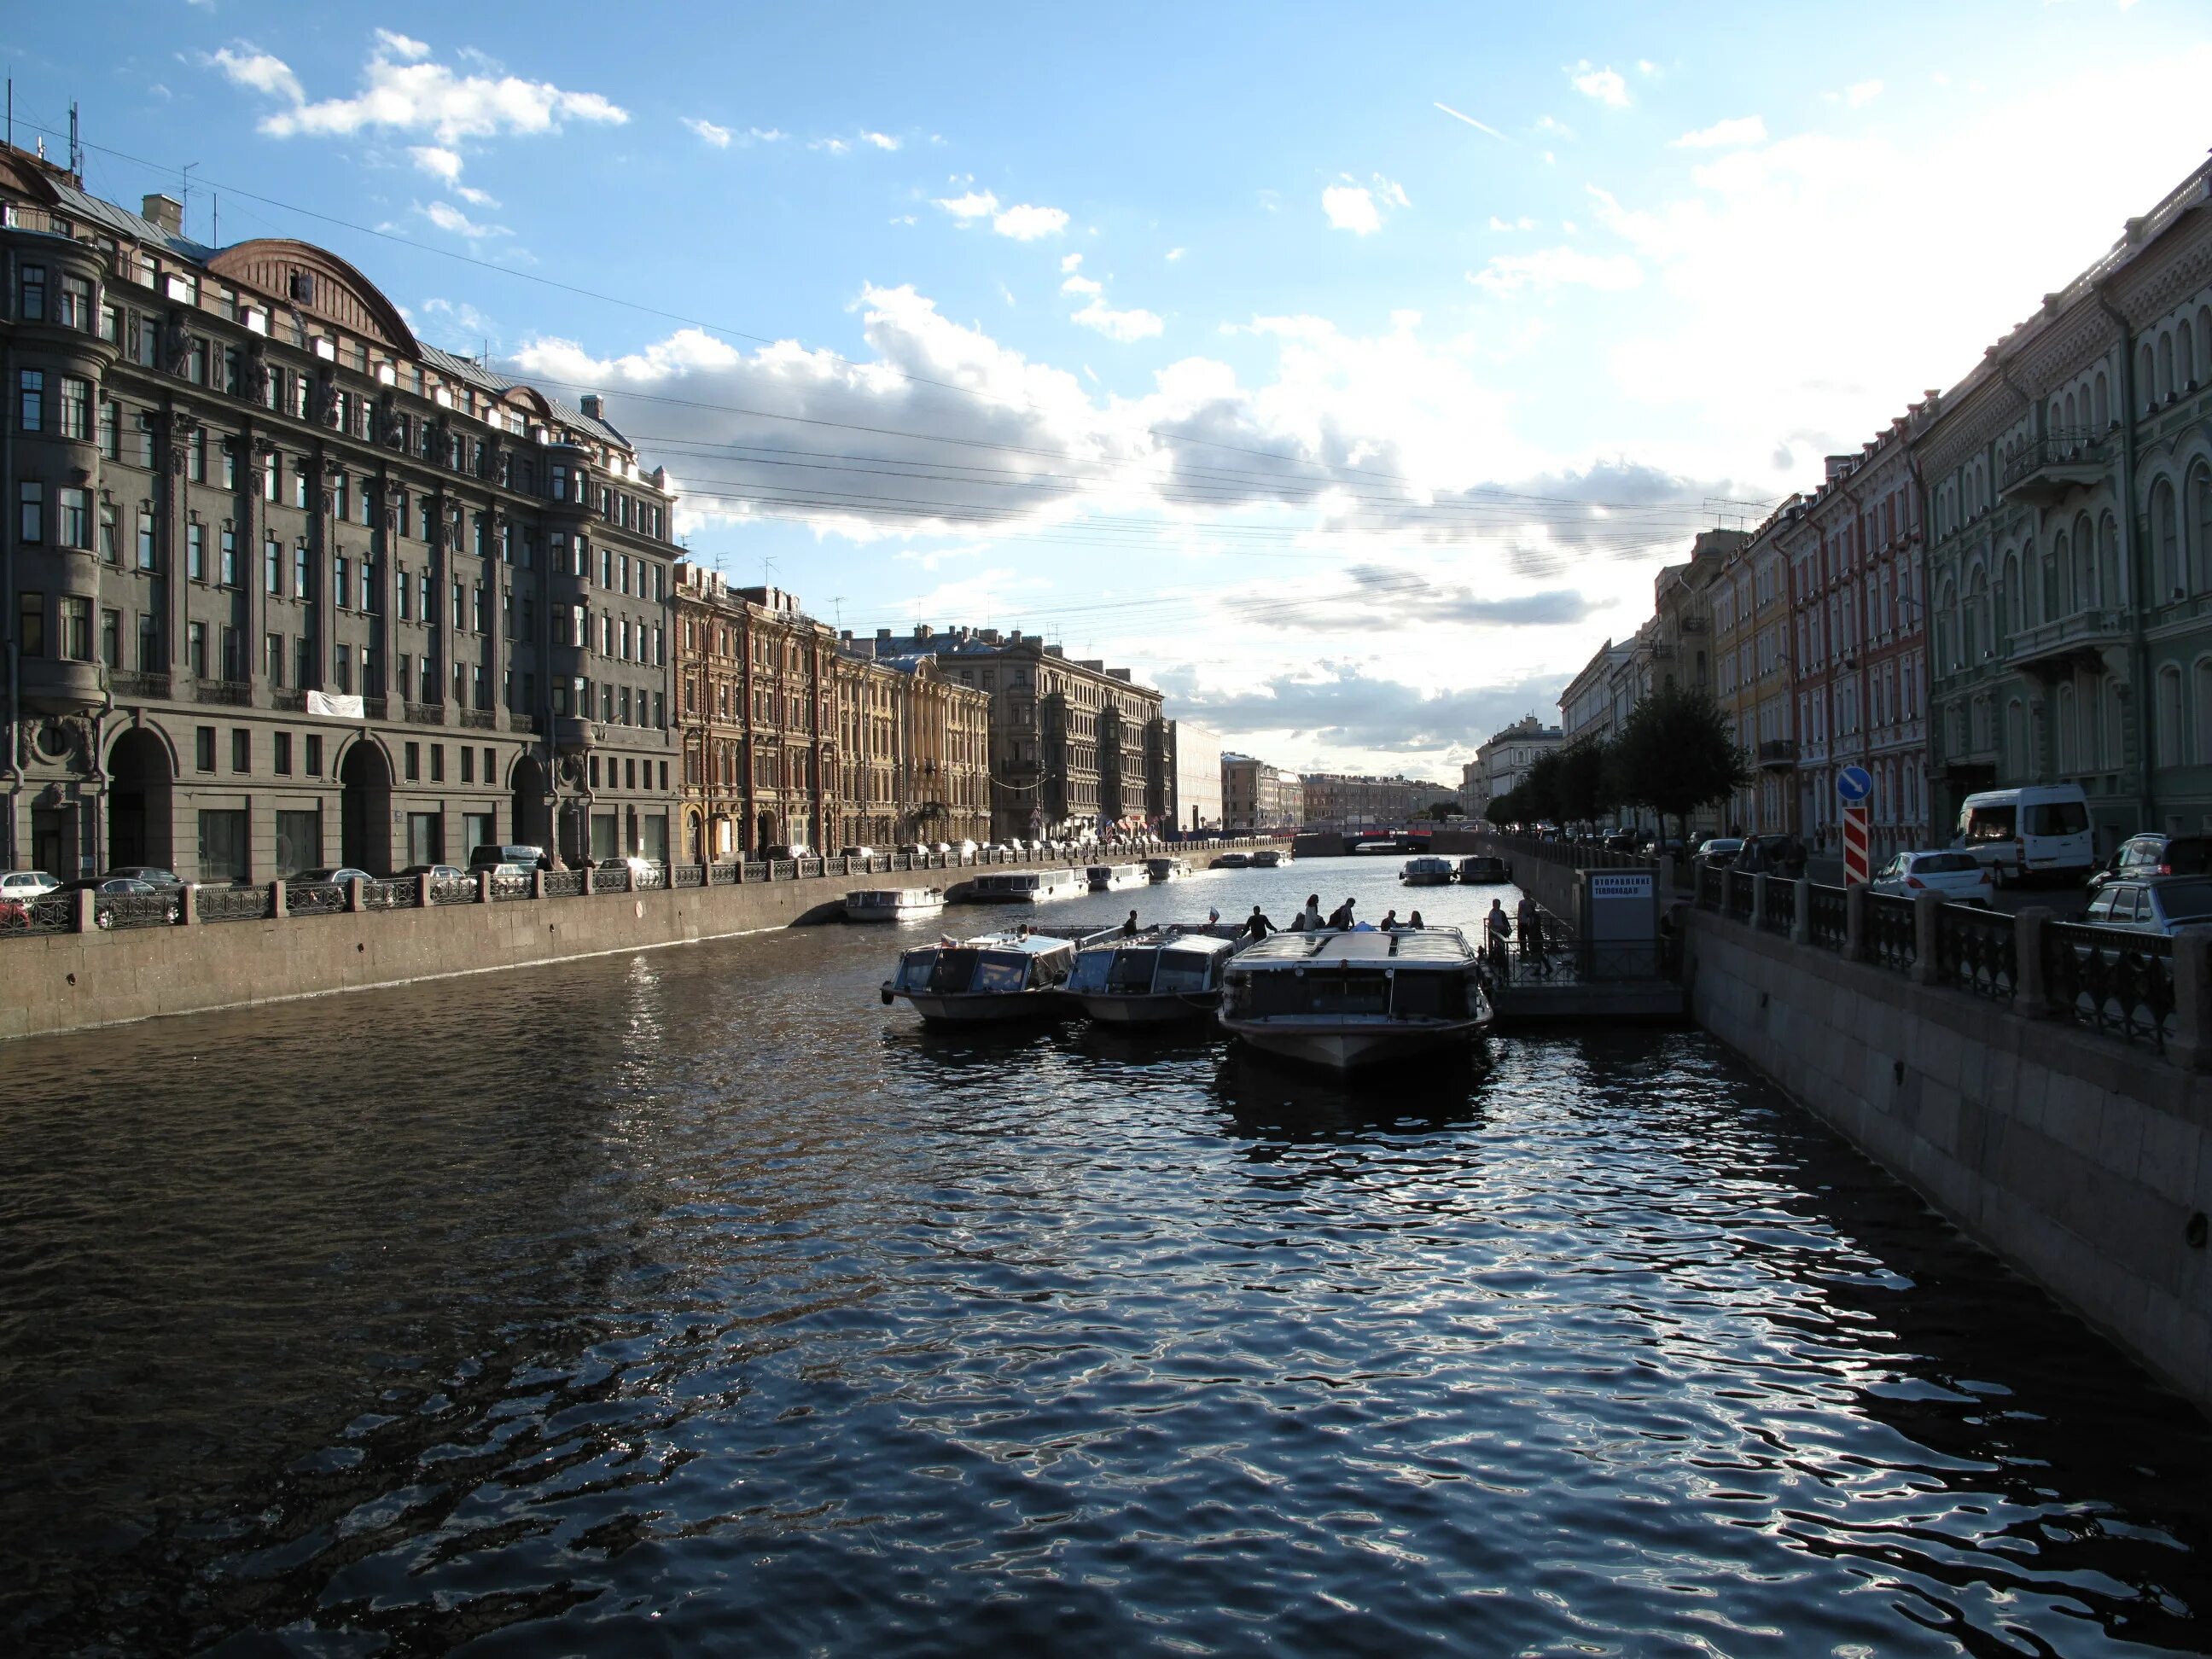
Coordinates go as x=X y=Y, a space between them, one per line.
x=152 y=873
x=338 y=873
x=129 y=888
x=436 y=872
x=2139 y=858
x=496 y=853
x=2163 y=904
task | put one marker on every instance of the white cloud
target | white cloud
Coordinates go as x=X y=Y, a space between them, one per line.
x=438 y=161
x=476 y=198
x=1349 y=207
x=447 y=217
x=720 y=137
x=1724 y=135
x=1860 y=93
x=1556 y=127
x=1078 y=283
x=880 y=140
x=1390 y=192
x=1174 y=254
x=1605 y=85
x=1026 y=223
x=1557 y=267
x=975 y=204
x=403 y=93
x=1070 y=261
x=835 y=146
x=1523 y=222
x=1123 y=325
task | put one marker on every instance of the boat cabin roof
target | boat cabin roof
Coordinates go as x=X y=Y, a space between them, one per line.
x=1444 y=945
x=1032 y=944
x=1166 y=938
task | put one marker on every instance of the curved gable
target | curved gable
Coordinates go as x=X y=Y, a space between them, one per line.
x=315 y=281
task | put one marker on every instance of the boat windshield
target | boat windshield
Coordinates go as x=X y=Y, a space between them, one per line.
x=1001 y=970
x=1090 y=972
x=1185 y=970
x=1131 y=973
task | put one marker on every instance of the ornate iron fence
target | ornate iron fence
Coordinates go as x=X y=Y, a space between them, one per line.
x=163 y=910
x=404 y=894
x=1781 y=913
x=505 y=890
x=1826 y=921
x=454 y=891
x=687 y=875
x=2110 y=980
x=1735 y=896
x=314 y=898
x=610 y=879
x=564 y=883
x=722 y=875
x=648 y=880
x=1977 y=951
x=754 y=869
x=809 y=867
x=234 y=903
x=56 y=913
x=1891 y=937
x=782 y=870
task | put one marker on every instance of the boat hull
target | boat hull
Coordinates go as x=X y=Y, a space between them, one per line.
x=887 y=912
x=1348 y=1046
x=1172 y=1008
x=1426 y=880
x=1000 y=1008
x=1117 y=884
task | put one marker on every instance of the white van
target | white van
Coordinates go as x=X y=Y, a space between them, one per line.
x=2039 y=831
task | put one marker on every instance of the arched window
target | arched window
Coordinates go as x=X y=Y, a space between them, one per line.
x=2111 y=591
x=2169 y=716
x=2203 y=344
x=1978 y=637
x=2199 y=556
x=2062 y=725
x=1947 y=629
x=2016 y=614
x=2203 y=711
x=2165 y=366
x=2145 y=379
x=2184 y=354
x=2100 y=406
x=2165 y=545
x=2015 y=762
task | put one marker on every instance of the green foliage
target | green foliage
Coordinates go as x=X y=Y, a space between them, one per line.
x=1675 y=755
x=1504 y=809
x=1585 y=794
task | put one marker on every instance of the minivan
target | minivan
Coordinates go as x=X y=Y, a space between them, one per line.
x=2037 y=831
x=492 y=855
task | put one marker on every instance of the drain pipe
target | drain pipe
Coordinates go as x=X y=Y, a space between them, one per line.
x=10 y=858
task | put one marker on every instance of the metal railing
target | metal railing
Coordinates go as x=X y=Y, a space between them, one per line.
x=1977 y=951
x=453 y=889
x=1827 y=917
x=754 y=870
x=112 y=910
x=314 y=898
x=650 y=880
x=687 y=875
x=1735 y=896
x=1893 y=937
x=505 y=889
x=564 y=883
x=1779 y=912
x=56 y=913
x=234 y=903
x=2114 y=982
x=402 y=893
x=237 y=694
x=2064 y=446
x=610 y=879
x=782 y=870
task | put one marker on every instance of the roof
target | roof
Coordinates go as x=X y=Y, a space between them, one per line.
x=1444 y=945
x=123 y=222
x=476 y=374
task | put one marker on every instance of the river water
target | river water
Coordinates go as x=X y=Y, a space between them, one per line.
x=694 y=1300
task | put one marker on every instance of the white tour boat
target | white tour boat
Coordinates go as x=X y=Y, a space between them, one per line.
x=992 y=977
x=893 y=904
x=1150 y=978
x=1114 y=878
x=1270 y=857
x=1426 y=873
x=1026 y=886
x=1233 y=861
x=1359 y=997
x=1483 y=870
x=1168 y=869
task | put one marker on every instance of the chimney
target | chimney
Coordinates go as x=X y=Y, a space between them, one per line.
x=165 y=211
x=923 y=631
x=590 y=402
x=882 y=632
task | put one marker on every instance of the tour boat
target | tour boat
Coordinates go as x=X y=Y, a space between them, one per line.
x=1368 y=847
x=1233 y=861
x=1357 y=997
x=992 y=977
x=1026 y=886
x=1150 y=978
x=893 y=904
x=1483 y=872
x=1113 y=877
x=1270 y=857
x=1168 y=869
x=1426 y=873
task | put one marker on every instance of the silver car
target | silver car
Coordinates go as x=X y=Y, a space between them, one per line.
x=1959 y=877
x=2164 y=906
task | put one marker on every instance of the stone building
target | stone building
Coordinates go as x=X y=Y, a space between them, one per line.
x=790 y=739
x=1071 y=740
x=1185 y=777
x=287 y=587
x=2069 y=507
x=1754 y=675
x=1502 y=761
x=1255 y=796
x=1355 y=800
x=1596 y=701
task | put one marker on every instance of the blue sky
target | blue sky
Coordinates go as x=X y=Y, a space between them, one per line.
x=1348 y=373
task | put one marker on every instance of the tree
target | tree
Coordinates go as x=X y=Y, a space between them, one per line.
x=1439 y=811
x=1541 y=796
x=1585 y=780
x=1675 y=754
x=1504 y=809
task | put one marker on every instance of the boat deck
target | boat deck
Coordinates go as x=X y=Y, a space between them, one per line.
x=1446 y=946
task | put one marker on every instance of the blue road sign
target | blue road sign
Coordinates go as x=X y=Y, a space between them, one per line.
x=1854 y=783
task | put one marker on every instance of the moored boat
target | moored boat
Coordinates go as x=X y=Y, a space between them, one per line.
x=1113 y=877
x=893 y=904
x=1168 y=869
x=988 y=979
x=1025 y=886
x=1233 y=861
x=1483 y=870
x=1355 y=997
x=1270 y=857
x=1426 y=872
x=1151 y=978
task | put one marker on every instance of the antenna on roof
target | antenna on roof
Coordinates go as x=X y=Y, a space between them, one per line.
x=76 y=150
x=184 y=174
x=214 y=219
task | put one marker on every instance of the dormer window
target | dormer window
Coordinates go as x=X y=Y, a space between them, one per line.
x=302 y=289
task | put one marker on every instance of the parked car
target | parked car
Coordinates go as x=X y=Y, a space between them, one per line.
x=152 y=873
x=2141 y=857
x=113 y=886
x=1719 y=851
x=1956 y=875
x=340 y=873
x=2163 y=904
x=795 y=849
x=493 y=853
x=856 y=852
x=965 y=848
x=26 y=885
x=2036 y=830
x=438 y=872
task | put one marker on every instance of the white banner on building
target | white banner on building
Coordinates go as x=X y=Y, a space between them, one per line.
x=335 y=708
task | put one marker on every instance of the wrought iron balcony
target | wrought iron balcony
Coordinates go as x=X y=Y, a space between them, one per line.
x=237 y=693
x=2044 y=470
x=1778 y=752
x=2058 y=648
x=131 y=683
x=425 y=714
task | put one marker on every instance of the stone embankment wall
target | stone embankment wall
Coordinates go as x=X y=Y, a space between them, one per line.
x=2084 y=1163
x=71 y=981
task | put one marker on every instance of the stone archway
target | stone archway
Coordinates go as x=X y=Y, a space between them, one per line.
x=365 y=807
x=532 y=817
x=764 y=835
x=141 y=821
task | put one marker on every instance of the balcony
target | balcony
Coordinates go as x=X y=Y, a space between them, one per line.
x=424 y=713
x=288 y=702
x=522 y=723
x=237 y=694
x=132 y=684
x=2057 y=649
x=480 y=719
x=2044 y=469
x=1778 y=754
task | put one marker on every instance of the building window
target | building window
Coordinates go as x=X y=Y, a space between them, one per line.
x=203 y=748
x=241 y=750
x=314 y=755
x=301 y=589
x=413 y=759
x=150 y=655
x=272 y=657
x=31 y=515
x=111 y=429
x=34 y=294
x=437 y=762
x=76 y=628
x=196 y=551
x=272 y=557
x=406 y=597
x=195 y=648
x=342 y=669
x=229 y=550
x=76 y=408
x=145 y=538
x=75 y=517
x=303 y=658
x=468 y=764
x=74 y=310
x=280 y=759
x=340 y=583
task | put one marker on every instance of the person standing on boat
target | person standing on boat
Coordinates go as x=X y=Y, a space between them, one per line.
x=1258 y=925
x=1413 y=923
x=1310 y=918
x=1498 y=928
x=1341 y=917
x=1129 y=929
x=1390 y=921
x=1531 y=936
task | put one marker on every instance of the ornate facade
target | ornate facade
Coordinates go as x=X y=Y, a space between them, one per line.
x=287 y=587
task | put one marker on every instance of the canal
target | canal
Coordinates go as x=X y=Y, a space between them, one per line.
x=695 y=1299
